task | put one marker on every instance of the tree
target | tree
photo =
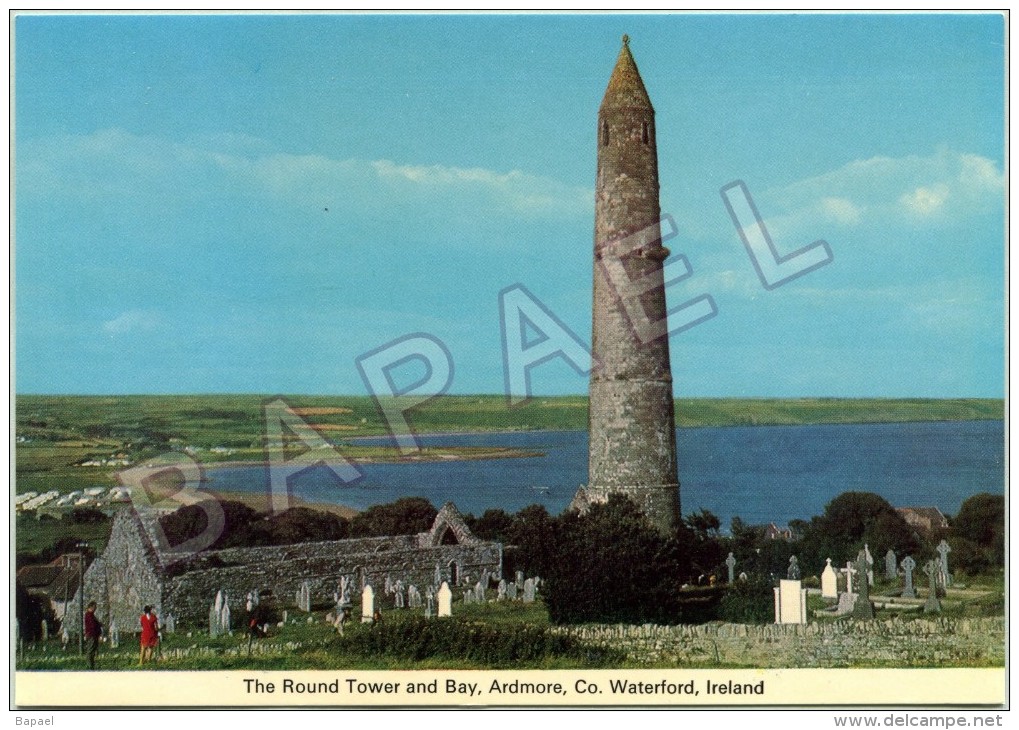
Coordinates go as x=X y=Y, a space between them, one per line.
x=850 y=521
x=532 y=537
x=494 y=524
x=612 y=565
x=406 y=516
x=981 y=523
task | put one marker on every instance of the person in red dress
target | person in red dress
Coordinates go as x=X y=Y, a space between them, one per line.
x=150 y=635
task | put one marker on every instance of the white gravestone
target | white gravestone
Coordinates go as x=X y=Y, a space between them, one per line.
x=790 y=602
x=501 y=595
x=367 y=604
x=829 y=581
x=445 y=600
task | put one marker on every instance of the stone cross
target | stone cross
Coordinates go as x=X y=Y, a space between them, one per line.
x=933 y=605
x=908 y=564
x=891 y=563
x=730 y=563
x=863 y=609
x=445 y=600
x=793 y=573
x=829 y=581
x=367 y=604
x=849 y=576
x=529 y=590
x=944 y=549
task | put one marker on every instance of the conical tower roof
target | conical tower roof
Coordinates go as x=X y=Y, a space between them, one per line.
x=626 y=89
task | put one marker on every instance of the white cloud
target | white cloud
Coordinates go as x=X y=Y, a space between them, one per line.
x=119 y=165
x=925 y=201
x=944 y=187
x=133 y=320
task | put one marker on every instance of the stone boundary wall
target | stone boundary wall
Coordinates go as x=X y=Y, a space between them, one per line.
x=895 y=643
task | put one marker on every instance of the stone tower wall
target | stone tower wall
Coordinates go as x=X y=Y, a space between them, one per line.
x=632 y=420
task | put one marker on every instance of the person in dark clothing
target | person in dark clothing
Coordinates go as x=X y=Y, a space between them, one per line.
x=93 y=631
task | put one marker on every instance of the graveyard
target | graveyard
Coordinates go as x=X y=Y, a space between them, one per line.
x=873 y=610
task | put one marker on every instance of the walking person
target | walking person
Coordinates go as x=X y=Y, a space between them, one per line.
x=93 y=631
x=150 y=635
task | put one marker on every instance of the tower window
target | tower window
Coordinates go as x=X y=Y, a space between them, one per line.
x=604 y=134
x=645 y=135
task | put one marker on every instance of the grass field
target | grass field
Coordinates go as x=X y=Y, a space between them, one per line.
x=302 y=645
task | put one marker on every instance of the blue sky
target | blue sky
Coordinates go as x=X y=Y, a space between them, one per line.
x=172 y=175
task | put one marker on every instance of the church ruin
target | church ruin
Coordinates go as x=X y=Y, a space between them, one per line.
x=133 y=571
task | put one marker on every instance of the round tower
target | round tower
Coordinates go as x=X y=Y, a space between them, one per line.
x=632 y=423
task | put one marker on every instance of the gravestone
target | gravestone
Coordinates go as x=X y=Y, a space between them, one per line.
x=520 y=580
x=445 y=599
x=829 y=581
x=367 y=604
x=501 y=596
x=170 y=624
x=114 y=634
x=863 y=609
x=790 y=602
x=399 y=603
x=908 y=564
x=388 y=587
x=304 y=597
x=933 y=605
x=219 y=601
x=730 y=563
x=45 y=629
x=529 y=591
x=224 y=617
x=793 y=572
x=846 y=603
x=213 y=621
x=479 y=592
x=438 y=576
x=944 y=549
x=413 y=597
x=743 y=577
x=511 y=591
x=468 y=595
x=869 y=561
x=891 y=565
x=430 y=602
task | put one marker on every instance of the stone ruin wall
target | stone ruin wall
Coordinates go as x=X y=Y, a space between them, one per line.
x=283 y=569
x=123 y=579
